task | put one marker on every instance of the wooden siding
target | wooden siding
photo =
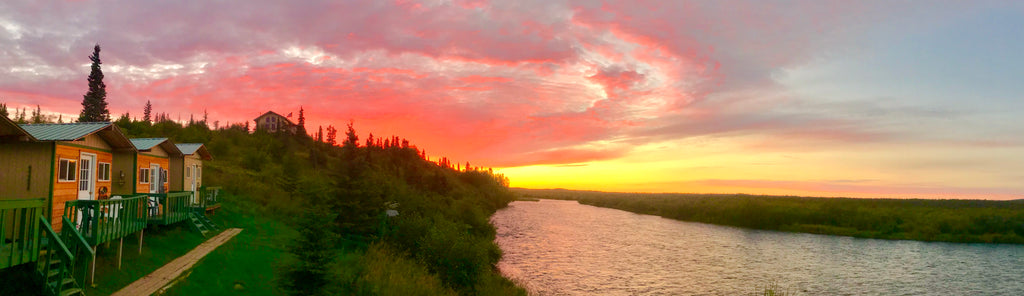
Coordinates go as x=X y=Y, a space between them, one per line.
x=176 y=174
x=66 y=191
x=144 y=161
x=157 y=151
x=92 y=140
x=15 y=160
x=124 y=162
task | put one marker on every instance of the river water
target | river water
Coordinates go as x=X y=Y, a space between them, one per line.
x=557 y=247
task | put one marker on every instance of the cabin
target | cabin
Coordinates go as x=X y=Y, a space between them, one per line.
x=190 y=167
x=61 y=163
x=272 y=122
x=152 y=164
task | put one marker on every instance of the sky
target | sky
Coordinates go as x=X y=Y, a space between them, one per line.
x=900 y=99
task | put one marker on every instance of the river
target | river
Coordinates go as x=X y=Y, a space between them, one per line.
x=555 y=247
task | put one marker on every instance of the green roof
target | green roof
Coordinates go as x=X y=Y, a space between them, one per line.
x=63 y=131
x=193 y=148
x=145 y=144
x=78 y=130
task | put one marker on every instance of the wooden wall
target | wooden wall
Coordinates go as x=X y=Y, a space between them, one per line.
x=144 y=161
x=67 y=191
x=16 y=159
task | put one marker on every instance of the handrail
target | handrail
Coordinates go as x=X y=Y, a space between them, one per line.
x=101 y=221
x=62 y=251
x=210 y=195
x=18 y=224
x=172 y=207
x=80 y=239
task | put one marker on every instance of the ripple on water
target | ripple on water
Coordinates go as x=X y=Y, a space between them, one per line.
x=564 y=248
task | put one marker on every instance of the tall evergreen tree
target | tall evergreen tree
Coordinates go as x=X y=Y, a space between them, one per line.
x=21 y=116
x=37 y=115
x=302 y=122
x=94 y=103
x=320 y=134
x=351 y=139
x=332 y=135
x=3 y=110
x=147 y=112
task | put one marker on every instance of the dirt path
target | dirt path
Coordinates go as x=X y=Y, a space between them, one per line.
x=149 y=284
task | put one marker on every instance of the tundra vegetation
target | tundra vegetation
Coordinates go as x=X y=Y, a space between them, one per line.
x=967 y=221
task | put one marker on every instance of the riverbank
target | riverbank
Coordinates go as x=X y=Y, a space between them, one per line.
x=965 y=221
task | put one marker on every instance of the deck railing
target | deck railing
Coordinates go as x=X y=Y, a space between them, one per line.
x=100 y=221
x=19 y=230
x=210 y=196
x=79 y=248
x=169 y=208
x=56 y=264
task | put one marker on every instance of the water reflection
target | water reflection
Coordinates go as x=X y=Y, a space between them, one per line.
x=564 y=248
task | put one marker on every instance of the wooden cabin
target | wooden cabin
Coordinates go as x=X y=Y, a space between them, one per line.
x=62 y=162
x=152 y=164
x=272 y=122
x=190 y=167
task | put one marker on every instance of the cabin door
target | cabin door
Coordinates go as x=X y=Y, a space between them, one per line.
x=154 y=178
x=194 y=180
x=87 y=176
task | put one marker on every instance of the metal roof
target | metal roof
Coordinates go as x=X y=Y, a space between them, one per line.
x=147 y=143
x=78 y=130
x=193 y=148
x=144 y=144
x=63 y=131
x=10 y=129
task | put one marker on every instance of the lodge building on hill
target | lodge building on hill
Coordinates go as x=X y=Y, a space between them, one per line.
x=272 y=122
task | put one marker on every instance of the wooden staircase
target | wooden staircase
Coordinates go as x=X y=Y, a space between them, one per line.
x=57 y=258
x=201 y=223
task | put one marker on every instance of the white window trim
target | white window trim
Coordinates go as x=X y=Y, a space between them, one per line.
x=61 y=177
x=144 y=175
x=100 y=173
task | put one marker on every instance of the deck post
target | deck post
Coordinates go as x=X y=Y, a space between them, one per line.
x=120 y=245
x=92 y=275
x=140 y=240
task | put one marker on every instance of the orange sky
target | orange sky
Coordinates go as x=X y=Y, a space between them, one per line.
x=823 y=98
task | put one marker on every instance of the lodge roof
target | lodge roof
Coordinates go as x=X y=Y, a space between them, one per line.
x=147 y=144
x=289 y=121
x=78 y=130
x=193 y=148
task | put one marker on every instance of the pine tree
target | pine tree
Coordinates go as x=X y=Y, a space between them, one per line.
x=351 y=139
x=21 y=116
x=94 y=103
x=3 y=110
x=206 y=116
x=302 y=119
x=332 y=135
x=320 y=134
x=147 y=112
x=37 y=115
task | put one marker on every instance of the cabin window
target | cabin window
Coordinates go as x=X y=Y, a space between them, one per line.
x=103 y=172
x=144 y=176
x=188 y=172
x=163 y=176
x=67 y=170
x=199 y=169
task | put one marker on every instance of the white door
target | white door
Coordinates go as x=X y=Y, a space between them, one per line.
x=87 y=176
x=195 y=176
x=154 y=178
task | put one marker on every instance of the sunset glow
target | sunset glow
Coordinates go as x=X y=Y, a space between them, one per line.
x=816 y=98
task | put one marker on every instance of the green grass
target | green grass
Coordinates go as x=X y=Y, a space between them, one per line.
x=159 y=247
x=245 y=265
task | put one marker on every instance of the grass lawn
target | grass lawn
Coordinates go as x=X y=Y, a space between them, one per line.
x=246 y=264
x=160 y=246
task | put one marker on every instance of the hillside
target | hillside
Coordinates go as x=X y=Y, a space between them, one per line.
x=328 y=205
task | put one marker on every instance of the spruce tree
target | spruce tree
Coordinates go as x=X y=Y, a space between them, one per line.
x=147 y=112
x=94 y=103
x=3 y=110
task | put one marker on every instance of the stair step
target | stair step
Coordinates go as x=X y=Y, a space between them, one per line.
x=72 y=291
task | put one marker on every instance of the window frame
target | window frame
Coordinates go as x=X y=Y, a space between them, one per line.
x=67 y=166
x=102 y=175
x=144 y=176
